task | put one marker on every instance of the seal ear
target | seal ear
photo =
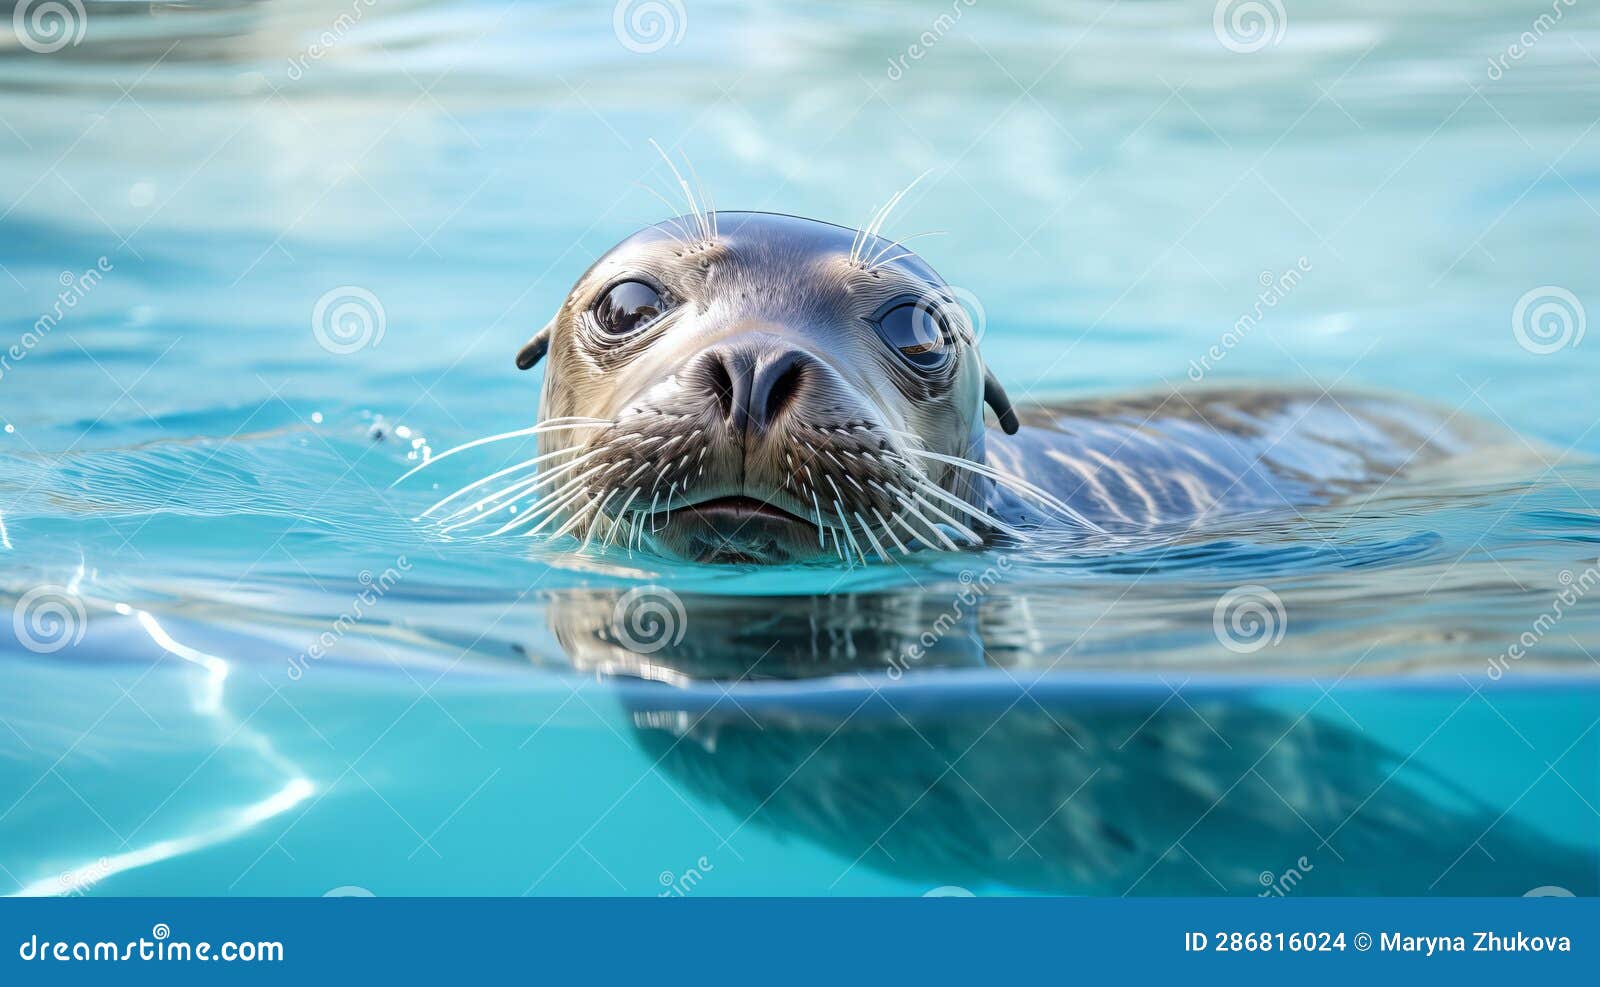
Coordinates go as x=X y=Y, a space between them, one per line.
x=995 y=397
x=534 y=349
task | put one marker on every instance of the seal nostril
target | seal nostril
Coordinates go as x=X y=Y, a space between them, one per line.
x=751 y=388
x=721 y=382
x=783 y=389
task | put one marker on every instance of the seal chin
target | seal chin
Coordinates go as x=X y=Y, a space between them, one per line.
x=737 y=529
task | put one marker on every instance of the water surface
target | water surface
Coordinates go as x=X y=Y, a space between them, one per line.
x=268 y=679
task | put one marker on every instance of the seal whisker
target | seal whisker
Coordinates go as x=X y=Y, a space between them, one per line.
x=578 y=484
x=842 y=538
x=600 y=518
x=550 y=425
x=528 y=485
x=467 y=515
x=903 y=253
x=671 y=489
x=686 y=240
x=839 y=496
x=555 y=512
x=554 y=475
x=848 y=534
x=870 y=231
x=622 y=515
x=872 y=223
x=688 y=193
x=962 y=529
x=912 y=511
x=708 y=210
x=855 y=242
x=875 y=225
x=517 y=494
x=890 y=532
x=864 y=234
x=636 y=471
x=822 y=540
x=495 y=476
x=965 y=507
x=534 y=509
x=874 y=263
x=594 y=515
x=1014 y=483
x=915 y=536
x=867 y=530
x=579 y=514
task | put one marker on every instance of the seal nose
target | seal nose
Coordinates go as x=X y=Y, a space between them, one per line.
x=754 y=386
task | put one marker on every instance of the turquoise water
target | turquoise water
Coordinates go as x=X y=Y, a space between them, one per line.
x=237 y=666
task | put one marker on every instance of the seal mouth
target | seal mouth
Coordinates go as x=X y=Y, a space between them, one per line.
x=739 y=509
x=738 y=528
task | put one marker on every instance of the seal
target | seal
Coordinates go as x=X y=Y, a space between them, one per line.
x=756 y=387
x=772 y=389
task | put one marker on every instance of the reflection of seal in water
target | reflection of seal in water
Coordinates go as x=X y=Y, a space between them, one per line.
x=748 y=386
x=1097 y=785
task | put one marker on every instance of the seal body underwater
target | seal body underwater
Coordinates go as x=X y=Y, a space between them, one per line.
x=754 y=387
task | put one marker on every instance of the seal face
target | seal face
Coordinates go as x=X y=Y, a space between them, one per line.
x=763 y=388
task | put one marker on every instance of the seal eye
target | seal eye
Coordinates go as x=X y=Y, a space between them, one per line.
x=917 y=330
x=626 y=307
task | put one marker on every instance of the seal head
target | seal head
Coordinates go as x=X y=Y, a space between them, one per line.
x=765 y=388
